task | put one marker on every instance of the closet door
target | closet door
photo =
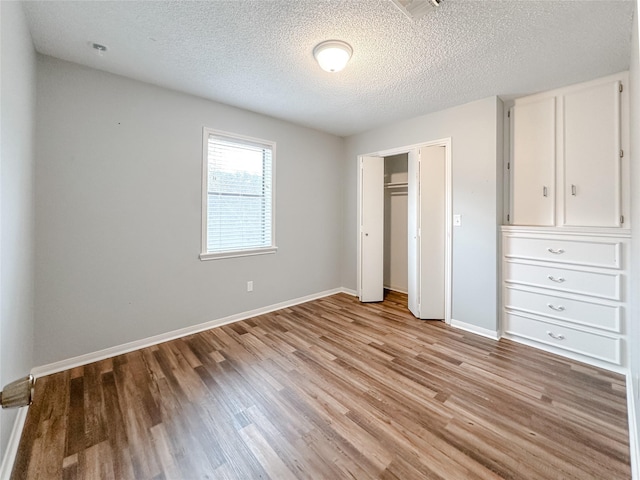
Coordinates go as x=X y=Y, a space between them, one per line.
x=533 y=166
x=413 y=250
x=432 y=232
x=592 y=156
x=371 y=229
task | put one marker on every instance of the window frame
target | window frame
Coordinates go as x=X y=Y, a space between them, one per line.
x=204 y=254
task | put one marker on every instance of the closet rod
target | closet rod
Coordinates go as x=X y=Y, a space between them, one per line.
x=396 y=185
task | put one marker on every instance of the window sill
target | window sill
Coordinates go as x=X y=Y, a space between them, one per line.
x=238 y=253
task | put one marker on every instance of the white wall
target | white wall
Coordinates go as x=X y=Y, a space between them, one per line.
x=118 y=213
x=634 y=330
x=17 y=105
x=396 y=219
x=473 y=128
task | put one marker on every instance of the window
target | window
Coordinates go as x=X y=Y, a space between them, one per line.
x=238 y=185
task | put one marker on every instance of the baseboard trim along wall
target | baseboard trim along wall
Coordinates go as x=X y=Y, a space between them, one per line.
x=634 y=441
x=12 y=447
x=485 y=332
x=87 y=358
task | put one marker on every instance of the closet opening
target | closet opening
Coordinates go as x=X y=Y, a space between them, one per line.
x=404 y=223
x=396 y=240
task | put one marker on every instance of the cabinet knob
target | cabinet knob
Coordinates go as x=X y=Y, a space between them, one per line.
x=555 y=336
x=555 y=251
x=559 y=308
x=554 y=279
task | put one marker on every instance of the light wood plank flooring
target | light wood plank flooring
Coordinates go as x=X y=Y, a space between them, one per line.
x=330 y=389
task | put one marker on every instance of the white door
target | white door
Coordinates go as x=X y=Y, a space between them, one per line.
x=534 y=162
x=592 y=156
x=371 y=229
x=431 y=233
x=413 y=253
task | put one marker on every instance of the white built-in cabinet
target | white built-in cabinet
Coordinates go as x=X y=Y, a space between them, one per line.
x=567 y=156
x=534 y=162
x=565 y=266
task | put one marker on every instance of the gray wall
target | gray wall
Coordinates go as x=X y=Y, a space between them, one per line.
x=118 y=213
x=473 y=128
x=17 y=100
x=634 y=330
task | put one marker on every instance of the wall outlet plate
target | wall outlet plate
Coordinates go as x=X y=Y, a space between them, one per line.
x=457 y=220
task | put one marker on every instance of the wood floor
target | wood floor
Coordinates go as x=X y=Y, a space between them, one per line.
x=330 y=389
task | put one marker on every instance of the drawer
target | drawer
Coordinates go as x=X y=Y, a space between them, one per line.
x=595 y=253
x=577 y=311
x=605 y=285
x=596 y=346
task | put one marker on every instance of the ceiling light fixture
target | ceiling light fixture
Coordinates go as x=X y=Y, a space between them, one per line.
x=332 y=55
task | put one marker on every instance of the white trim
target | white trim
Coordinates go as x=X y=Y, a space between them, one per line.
x=12 y=447
x=349 y=291
x=394 y=289
x=239 y=253
x=87 y=358
x=573 y=231
x=634 y=441
x=204 y=255
x=485 y=332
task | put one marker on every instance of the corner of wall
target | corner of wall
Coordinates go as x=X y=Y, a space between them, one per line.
x=633 y=378
x=17 y=154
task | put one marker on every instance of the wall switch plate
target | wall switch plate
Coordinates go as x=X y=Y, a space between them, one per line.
x=250 y=286
x=457 y=220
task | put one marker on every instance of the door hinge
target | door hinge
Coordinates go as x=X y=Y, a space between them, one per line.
x=621 y=153
x=508 y=218
x=620 y=88
x=508 y=165
x=509 y=114
x=622 y=220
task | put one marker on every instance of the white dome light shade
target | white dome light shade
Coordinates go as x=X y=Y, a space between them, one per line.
x=332 y=55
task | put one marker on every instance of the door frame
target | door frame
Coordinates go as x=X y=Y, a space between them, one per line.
x=448 y=205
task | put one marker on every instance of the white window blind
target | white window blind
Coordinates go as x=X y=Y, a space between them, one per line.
x=239 y=195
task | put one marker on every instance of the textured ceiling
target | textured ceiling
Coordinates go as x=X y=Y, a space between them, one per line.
x=257 y=54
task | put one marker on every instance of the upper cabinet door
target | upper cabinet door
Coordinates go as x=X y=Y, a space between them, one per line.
x=534 y=159
x=592 y=194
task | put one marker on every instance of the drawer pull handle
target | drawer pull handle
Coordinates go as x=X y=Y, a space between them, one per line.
x=555 y=336
x=554 y=279
x=555 y=251
x=559 y=308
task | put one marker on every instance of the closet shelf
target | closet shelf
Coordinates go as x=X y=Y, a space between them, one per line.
x=396 y=185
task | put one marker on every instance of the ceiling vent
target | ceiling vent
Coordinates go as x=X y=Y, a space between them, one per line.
x=416 y=8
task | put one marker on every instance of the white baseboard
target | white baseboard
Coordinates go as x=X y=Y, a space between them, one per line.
x=12 y=447
x=394 y=289
x=87 y=358
x=634 y=441
x=348 y=291
x=485 y=332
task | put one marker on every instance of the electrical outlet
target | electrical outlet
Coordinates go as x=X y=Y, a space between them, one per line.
x=457 y=220
x=250 y=286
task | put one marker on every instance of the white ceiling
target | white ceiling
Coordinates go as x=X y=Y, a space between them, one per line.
x=257 y=54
